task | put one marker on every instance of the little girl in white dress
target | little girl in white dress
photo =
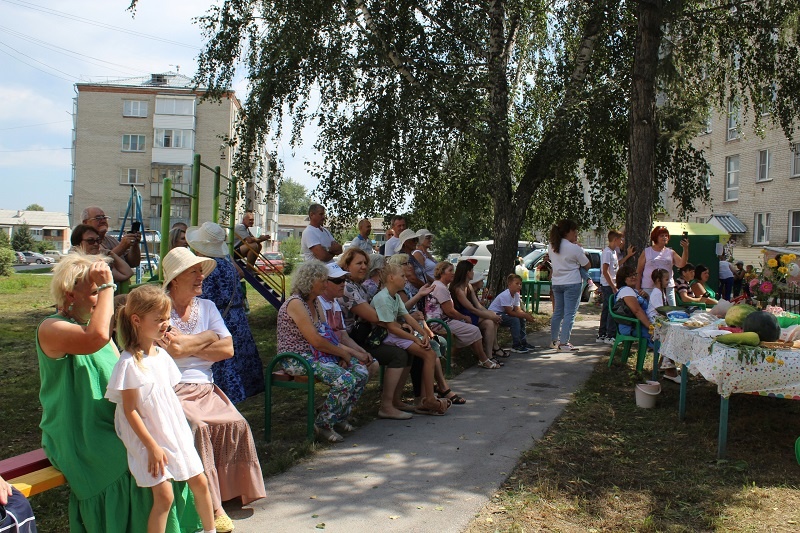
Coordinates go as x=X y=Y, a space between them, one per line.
x=149 y=418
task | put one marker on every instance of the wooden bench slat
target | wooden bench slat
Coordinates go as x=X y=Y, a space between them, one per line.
x=23 y=464
x=38 y=481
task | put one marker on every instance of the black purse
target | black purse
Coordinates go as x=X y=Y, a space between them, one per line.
x=622 y=309
x=375 y=337
x=360 y=332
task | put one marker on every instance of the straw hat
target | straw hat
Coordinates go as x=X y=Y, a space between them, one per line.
x=208 y=239
x=178 y=260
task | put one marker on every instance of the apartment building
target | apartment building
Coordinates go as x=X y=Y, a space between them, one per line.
x=754 y=186
x=49 y=226
x=132 y=133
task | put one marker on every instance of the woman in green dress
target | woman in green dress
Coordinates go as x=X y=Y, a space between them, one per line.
x=76 y=358
x=700 y=287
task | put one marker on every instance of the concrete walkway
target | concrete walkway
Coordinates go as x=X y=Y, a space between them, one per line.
x=430 y=473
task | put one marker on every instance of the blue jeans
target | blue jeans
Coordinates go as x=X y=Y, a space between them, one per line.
x=566 y=299
x=517 y=326
x=608 y=327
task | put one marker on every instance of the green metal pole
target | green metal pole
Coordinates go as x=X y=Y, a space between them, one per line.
x=232 y=221
x=195 y=190
x=215 y=197
x=166 y=207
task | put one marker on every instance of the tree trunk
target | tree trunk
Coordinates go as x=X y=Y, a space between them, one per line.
x=643 y=131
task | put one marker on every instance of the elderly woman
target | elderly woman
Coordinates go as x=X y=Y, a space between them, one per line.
x=86 y=239
x=408 y=245
x=197 y=339
x=465 y=301
x=76 y=358
x=440 y=305
x=359 y=319
x=423 y=253
x=177 y=238
x=302 y=329
x=242 y=375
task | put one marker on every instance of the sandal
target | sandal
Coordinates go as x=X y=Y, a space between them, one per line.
x=443 y=405
x=455 y=399
x=500 y=353
x=489 y=364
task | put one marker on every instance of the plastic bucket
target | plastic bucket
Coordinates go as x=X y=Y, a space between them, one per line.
x=646 y=394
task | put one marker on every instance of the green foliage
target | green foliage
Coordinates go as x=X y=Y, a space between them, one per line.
x=34 y=207
x=5 y=242
x=7 y=261
x=42 y=246
x=22 y=240
x=293 y=199
x=290 y=248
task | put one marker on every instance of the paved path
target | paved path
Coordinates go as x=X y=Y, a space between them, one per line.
x=430 y=473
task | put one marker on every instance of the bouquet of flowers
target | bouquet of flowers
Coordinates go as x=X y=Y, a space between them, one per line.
x=767 y=285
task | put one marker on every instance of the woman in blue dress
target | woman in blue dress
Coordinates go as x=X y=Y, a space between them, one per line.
x=242 y=375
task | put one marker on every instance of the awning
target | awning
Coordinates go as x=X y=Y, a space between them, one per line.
x=729 y=223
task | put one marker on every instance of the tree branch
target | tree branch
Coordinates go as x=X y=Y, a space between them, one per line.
x=476 y=49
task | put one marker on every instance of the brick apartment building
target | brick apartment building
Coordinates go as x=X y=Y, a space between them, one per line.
x=134 y=132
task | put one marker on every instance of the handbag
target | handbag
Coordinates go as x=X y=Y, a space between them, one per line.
x=375 y=337
x=360 y=331
x=622 y=309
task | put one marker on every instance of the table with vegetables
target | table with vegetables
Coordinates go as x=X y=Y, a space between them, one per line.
x=749 y=351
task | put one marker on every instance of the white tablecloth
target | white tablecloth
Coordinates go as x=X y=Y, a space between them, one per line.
x=778 y=375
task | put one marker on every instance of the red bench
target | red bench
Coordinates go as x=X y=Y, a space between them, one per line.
x=31 y=473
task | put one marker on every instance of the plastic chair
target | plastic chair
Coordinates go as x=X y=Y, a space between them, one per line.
x=699 y=305
x=288 y=381
x=627 y=340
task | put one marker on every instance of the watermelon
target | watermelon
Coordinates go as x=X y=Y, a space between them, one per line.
x=737 y=313
x=764 y=324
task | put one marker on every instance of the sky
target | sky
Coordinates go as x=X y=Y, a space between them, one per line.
x=47 y=46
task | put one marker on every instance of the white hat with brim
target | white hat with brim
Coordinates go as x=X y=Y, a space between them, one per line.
x=336 y=272
x=421 y=234
x=179 y=260
x=406 y=235
x=476 y=278
x=208 y=239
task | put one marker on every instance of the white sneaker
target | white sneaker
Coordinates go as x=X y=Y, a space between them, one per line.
x=566 y=348
x=609 y=340
x=591 y=285
x=554 y=345
x=601 y=339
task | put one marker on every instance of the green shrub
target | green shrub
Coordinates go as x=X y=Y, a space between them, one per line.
x=43 y=246
x=290 y=248
x=6 y=261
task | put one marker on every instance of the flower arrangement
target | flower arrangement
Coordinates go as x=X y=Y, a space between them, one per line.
x=767 y=285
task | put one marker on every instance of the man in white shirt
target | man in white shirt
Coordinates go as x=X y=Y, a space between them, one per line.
x=317 y=242
x=362 y=240
x=393 y=244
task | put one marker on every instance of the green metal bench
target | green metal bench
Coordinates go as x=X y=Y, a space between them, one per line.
x=273 y=378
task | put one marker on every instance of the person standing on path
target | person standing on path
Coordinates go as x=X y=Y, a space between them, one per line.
x=567 y=258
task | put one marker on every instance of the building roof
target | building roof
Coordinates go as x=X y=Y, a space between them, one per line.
x=43 y=219
x=729 y=223
x=172 y=80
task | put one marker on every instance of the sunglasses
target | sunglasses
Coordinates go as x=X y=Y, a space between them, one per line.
x=96 y=240
x=337 y=281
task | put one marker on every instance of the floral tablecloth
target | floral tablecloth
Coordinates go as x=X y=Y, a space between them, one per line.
x=777 y=375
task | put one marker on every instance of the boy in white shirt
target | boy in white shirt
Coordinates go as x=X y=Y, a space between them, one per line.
x=609 y=265
x=506 y=305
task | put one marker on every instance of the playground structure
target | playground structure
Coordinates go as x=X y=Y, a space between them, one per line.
x=271 y=284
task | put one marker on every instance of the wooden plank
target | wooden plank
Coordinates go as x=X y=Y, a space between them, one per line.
x=23 y=464
x=39 y=481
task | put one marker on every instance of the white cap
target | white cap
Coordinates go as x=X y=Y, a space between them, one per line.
x=336 y=272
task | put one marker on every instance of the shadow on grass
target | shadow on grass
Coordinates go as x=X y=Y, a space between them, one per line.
x=607 y=465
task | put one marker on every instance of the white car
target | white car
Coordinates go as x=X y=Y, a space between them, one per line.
x=479 y=253
x=55 y=255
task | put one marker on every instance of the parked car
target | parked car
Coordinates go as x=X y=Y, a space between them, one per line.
x=274 y=262
x=533 y=259
x=143 y=270
x=479 y=253
x=39 y=259
x=55 y=254
x=18 y=257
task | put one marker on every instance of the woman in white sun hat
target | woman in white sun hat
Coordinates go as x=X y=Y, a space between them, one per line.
x=423 y=252
x=197 y=339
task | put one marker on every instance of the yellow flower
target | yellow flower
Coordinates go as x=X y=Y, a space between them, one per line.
x=780 y=362
x=783 y=270
x=792 y=257
x=763 y=251
x=769 y=359
x=772 y=263
x=785 y=259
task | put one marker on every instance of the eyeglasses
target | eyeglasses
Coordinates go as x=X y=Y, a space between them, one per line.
x=96 y=240
x=337 y=281
x=100 y=218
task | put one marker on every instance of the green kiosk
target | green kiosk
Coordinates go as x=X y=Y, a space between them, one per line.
x=703 y=240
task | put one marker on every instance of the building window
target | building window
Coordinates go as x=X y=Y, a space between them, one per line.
x=130 y=176
x=701 y=220
x=761 y=228
x=795 y=160
x=763 y=166
x=174 y=138
x=732 y=178
x=794 y=227
x=134 y=108
x=733 y=120
x=174 y=106
x=133 y=143
x=177 y=175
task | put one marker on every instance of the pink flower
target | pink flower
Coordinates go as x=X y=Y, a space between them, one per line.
x=753 y=283
x=766 y=287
